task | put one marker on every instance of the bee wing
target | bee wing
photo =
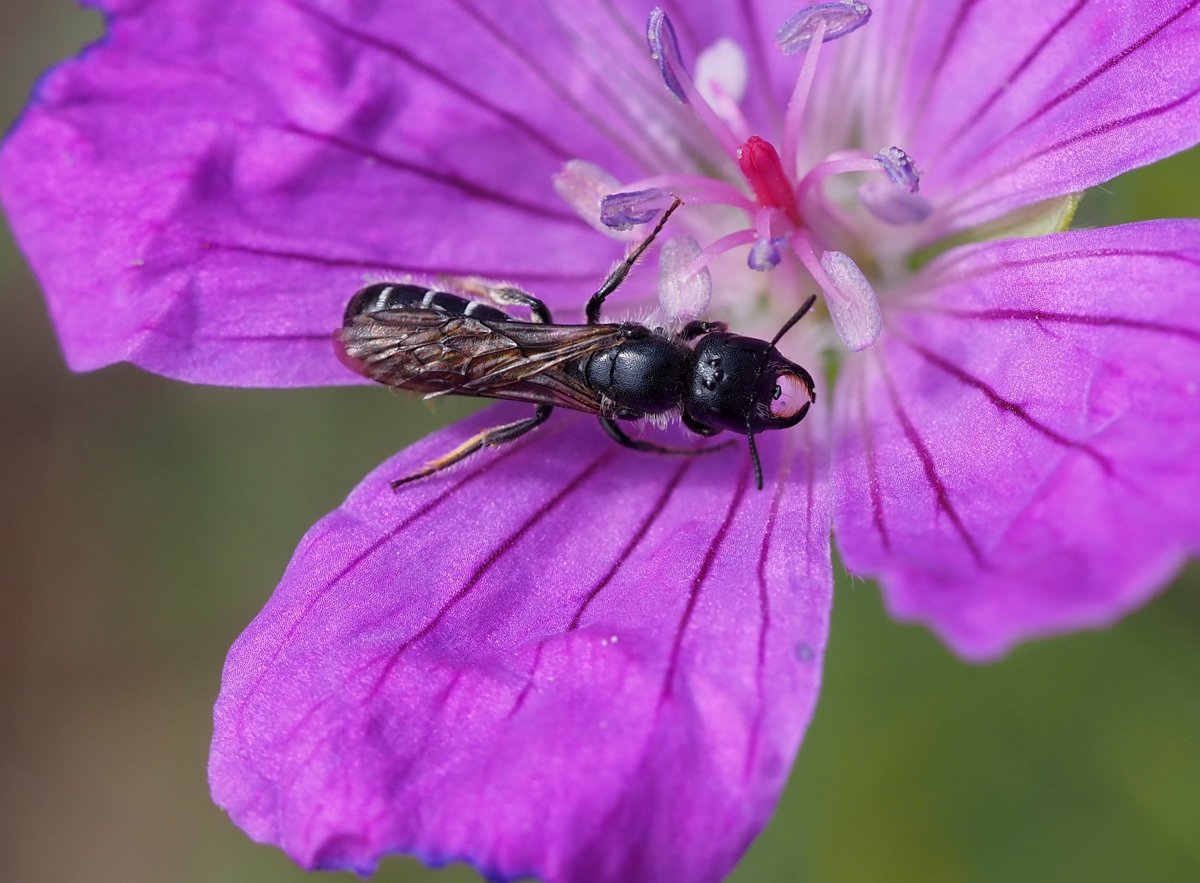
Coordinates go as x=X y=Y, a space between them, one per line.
x=431 y=352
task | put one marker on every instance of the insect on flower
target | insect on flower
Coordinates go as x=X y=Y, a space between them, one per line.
x=424 y=340
x=570 y=663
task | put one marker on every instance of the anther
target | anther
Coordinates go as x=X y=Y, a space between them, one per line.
x=853 y=306
x=898 y=205
x=765 y=254
x=664 y=49
x=839 y=19
x=683 y=290
x=900 y=168
x=621 y=211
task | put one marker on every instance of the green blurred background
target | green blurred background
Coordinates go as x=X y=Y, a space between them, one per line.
x=146 y=521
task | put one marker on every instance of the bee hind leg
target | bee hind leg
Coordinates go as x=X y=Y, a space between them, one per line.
x=620 y=437
x=501 y=293
x=489 y=438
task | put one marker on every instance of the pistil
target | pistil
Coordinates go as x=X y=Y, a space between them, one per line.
x=760 y=163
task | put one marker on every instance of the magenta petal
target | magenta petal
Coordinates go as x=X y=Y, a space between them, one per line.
x=1004 y=103
x=1021 y=455
x=202 y=193
x=567 y=660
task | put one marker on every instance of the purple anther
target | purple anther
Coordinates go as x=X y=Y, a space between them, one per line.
x=900 y=168
x=664 y=49
x=766 y=254
x=839 y=19
x=621 y=211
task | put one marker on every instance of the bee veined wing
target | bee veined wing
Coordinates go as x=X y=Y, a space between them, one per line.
x=430 y=352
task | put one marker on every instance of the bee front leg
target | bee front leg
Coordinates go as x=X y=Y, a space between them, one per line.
x=620 y=437
x=621 y=270
x=489 y=438
x=697 y=427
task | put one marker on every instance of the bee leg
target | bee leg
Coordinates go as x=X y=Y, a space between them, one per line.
x=695 y=329
x=697 y=427
x=621 y=270
x=489 y=438
x=510 y=294
x=620 y=437
x=503 y=294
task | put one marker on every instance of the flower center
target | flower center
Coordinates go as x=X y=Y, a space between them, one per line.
x=787 y=215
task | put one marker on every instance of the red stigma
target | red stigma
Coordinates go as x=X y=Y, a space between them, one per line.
x=760 y=163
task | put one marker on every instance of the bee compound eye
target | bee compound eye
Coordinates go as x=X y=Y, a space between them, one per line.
x=788 y=396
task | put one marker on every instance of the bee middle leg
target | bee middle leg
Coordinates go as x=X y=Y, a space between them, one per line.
x=622 y=438
x=489 y=438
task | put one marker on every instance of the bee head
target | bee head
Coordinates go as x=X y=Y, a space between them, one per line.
x=746 y=385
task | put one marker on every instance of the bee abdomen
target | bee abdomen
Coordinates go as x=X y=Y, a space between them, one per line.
x=383 y=296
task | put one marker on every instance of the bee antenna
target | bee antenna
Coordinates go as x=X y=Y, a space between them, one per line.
x=796 y=317
x=754 y=458
x=787 y=326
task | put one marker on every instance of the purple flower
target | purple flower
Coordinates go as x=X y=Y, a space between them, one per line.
x=567 y=659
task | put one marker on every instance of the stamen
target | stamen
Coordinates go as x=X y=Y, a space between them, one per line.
x=760 y=163
x=683 y=290
x=892 y=206
x=851 y=300
x=900 y=168
x=621 y=211
x=794 y=116
x=823 y=22
x=893 y=203
x=814 y=204
x=664 y=49
x=838 y=164
x=718 y=247
x=698 y=189
x=807 y=30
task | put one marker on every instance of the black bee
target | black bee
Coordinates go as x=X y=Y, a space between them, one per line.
x=423 y=340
